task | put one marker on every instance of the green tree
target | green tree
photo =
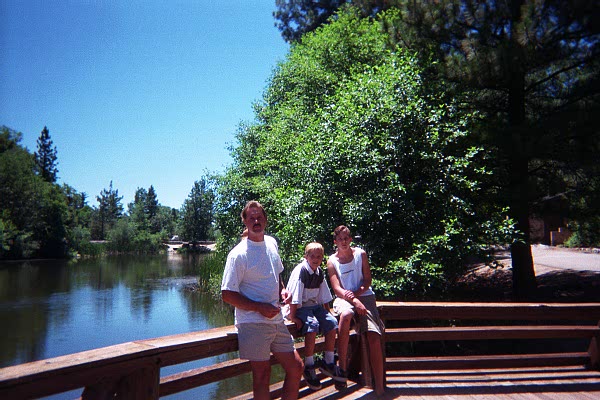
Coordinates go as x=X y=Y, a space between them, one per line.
x=165 y=221
x=151 y=208
x=197 y=211
x=297 y=17
x=137 y=209
x=45 y=157
x=16 y=196
x=109 y=211
x=78 y=218
x=352 y=132
x=32 y=210
x=532 y=67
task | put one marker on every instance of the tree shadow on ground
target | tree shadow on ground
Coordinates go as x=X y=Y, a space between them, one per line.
x=485 y=283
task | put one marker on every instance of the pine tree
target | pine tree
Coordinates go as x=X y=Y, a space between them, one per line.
x=45 y=157
x=109 y=208
x=197 y=212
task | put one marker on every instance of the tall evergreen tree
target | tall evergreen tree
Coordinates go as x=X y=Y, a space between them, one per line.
x=197 y=212
x=45 y=157
x=151 y=203
x=137 y=209
x=110 y=209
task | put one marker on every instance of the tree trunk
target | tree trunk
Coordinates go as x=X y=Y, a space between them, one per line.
x=524 y=283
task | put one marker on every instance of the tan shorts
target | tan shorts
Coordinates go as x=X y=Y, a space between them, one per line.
x=257 y=341
x=370 y=322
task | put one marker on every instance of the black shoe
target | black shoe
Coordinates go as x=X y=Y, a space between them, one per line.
x=334 y=372
x=311 y=379
x=341 y=382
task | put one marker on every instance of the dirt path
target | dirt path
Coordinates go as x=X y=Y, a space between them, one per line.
x=561 y=274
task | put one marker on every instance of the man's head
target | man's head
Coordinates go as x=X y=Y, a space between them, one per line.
x=254 y=218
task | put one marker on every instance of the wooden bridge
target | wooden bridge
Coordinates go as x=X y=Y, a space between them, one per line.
x=551 y=351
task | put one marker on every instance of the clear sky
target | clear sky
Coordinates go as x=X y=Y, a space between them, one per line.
x=137 y=92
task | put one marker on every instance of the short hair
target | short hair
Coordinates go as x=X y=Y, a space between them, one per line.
x=341 y=229
x=314 y=246
x=252 y=204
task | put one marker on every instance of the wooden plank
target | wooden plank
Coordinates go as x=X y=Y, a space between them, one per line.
x=202 y=376
x=486 y=361
x=489 y=311
x=514 y=383
x=45 y=385
x=489 y=332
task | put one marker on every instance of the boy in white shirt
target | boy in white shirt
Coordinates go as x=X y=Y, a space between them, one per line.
x=309 y=310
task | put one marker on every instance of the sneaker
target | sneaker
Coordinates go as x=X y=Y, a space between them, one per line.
x=335 y=372
x=310 y=376
x=343 y=382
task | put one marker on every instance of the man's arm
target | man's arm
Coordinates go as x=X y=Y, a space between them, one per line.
x=242 y=302
x=366 y=272
x=286 y=295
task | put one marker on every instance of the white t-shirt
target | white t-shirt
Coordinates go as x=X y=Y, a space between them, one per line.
x=252 y=269
x=350 y=274
x=306 y=297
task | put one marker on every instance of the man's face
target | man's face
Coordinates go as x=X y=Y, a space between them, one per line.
x=255 y=220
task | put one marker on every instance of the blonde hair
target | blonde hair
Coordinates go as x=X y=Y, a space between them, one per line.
x=314 y=246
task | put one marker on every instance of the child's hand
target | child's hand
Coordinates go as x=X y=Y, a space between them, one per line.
x=298 y=322
x=268 y=310
x=359 y=307
x=286 y=296
x=349 y=295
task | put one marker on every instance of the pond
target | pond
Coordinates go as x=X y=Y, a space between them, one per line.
x=50 y=308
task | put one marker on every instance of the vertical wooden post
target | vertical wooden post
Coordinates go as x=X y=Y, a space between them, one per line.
x=382 y=341
x=365 y=361
x=594 y=352
x=143 y=384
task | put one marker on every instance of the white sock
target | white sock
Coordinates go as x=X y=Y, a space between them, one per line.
x=309 y=361
x=329 y=357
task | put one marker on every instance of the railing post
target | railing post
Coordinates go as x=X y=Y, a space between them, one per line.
x=594 y=352
x=365 y=361
x=141 y=384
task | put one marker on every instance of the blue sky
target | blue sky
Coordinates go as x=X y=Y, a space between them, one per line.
x=135 y=92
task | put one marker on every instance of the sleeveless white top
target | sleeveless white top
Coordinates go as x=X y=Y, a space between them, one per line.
x=350 y=274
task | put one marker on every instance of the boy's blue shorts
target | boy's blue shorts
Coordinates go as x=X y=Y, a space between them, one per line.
x=316 y=319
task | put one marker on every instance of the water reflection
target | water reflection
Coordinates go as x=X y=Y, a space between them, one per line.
x=52 y=308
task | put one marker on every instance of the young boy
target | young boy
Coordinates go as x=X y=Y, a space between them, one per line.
x=309 y=310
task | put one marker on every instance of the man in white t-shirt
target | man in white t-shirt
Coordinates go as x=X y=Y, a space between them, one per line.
x=252 y=284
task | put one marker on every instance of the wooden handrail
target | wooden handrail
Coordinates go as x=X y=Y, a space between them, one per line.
x=132 y=369
x=488 y=311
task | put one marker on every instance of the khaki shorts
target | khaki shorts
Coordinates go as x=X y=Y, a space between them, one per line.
x=370 y=322
x=256 y=340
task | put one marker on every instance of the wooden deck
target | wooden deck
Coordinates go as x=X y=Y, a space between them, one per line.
x=535 y=383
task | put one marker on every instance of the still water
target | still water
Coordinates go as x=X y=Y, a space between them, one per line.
x=52 y=308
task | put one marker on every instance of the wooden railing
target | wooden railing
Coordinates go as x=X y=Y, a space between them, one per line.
x=132 y=370
x=468 y=322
